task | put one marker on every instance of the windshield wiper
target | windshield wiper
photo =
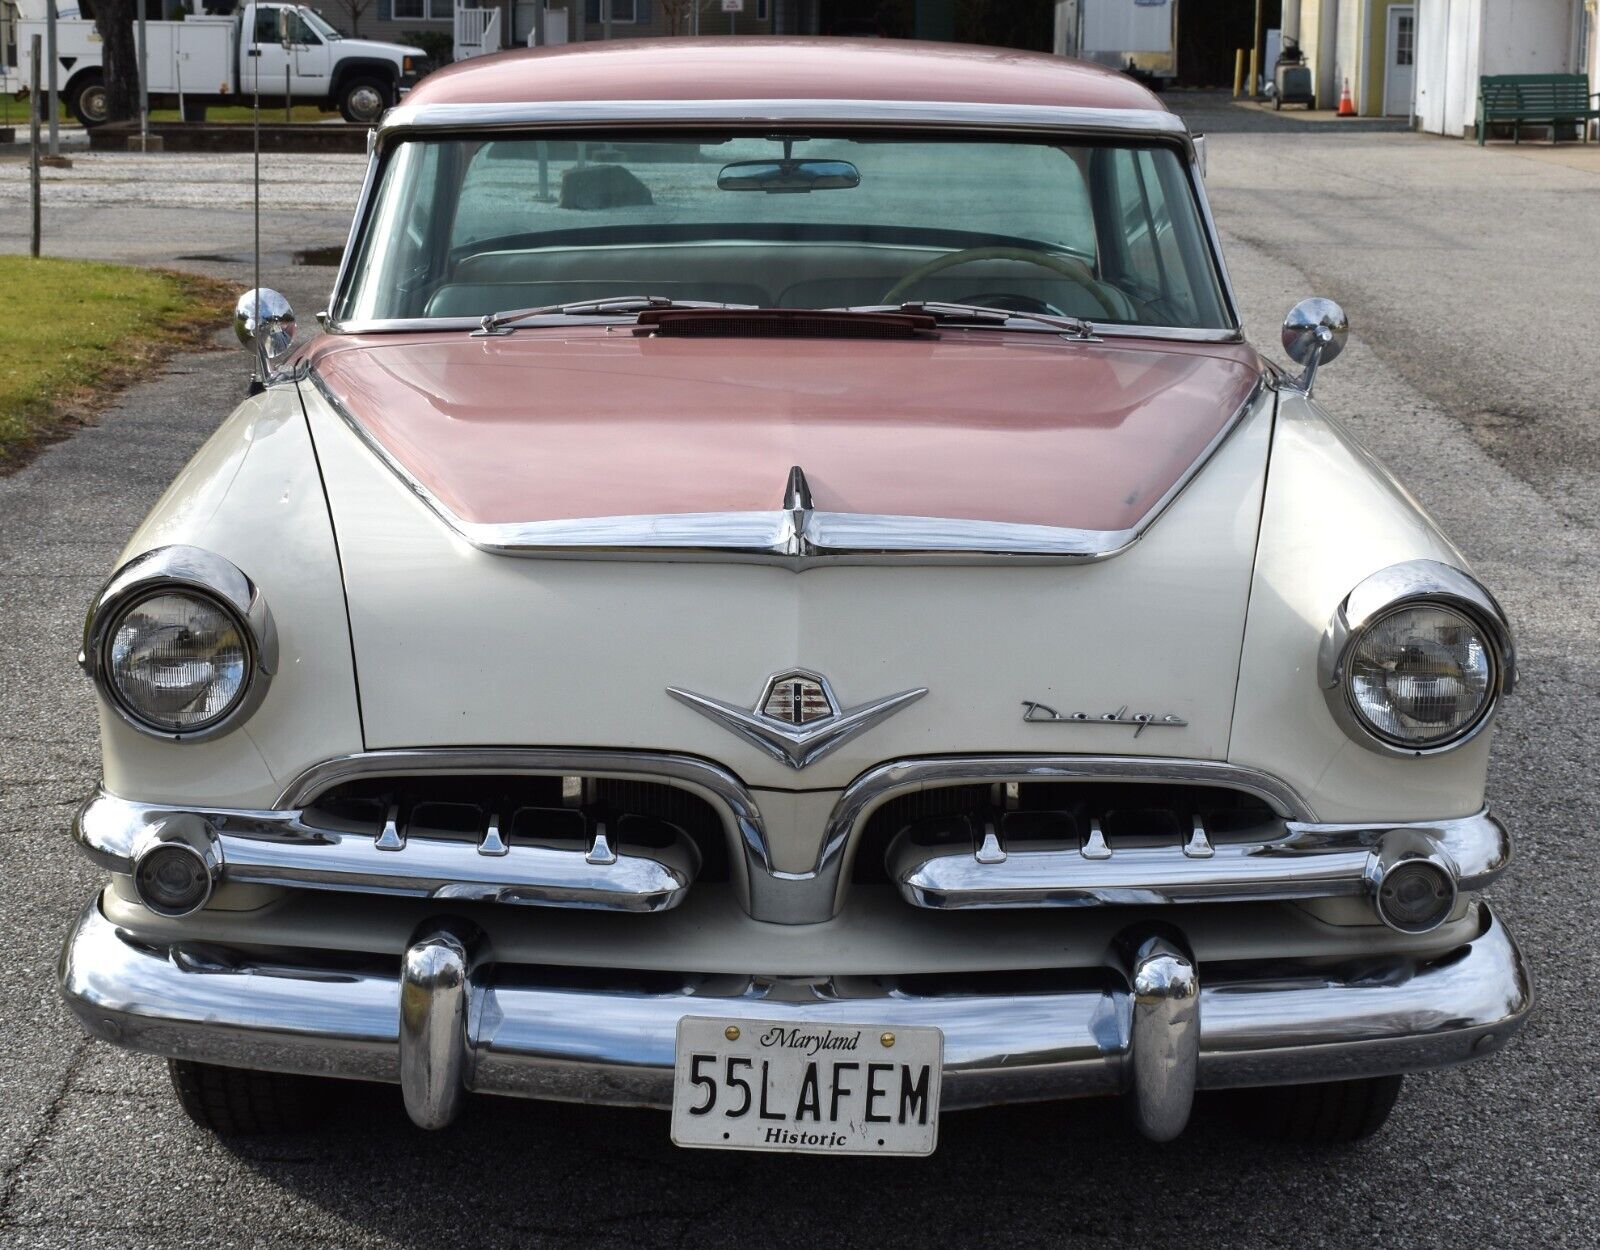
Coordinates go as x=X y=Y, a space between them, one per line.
x=611 y=306
x=981 y=315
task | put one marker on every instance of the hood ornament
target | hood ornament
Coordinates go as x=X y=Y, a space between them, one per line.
x=797 y=719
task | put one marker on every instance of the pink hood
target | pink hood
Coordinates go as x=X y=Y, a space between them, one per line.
x=549 y=425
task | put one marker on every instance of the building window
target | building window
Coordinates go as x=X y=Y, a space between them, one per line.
x=424 y=10
x=623 y=13
x=1405 y=40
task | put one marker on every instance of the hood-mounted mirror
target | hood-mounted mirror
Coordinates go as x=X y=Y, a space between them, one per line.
x=265 y=323
x=1313 y=334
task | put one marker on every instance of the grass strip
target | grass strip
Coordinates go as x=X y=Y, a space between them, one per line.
x=76 y=332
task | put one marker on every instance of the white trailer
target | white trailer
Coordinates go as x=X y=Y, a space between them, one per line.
x=1139 y=36
x=286 y=51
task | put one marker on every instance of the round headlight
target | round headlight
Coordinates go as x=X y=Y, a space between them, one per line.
x=1422 y=676
x=177 y=661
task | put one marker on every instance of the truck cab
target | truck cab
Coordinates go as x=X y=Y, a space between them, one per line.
x=218 y=53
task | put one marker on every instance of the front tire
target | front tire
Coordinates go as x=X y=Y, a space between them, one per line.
x=1337 y=1113
x=363 y=100
x=237 y=1102
x=88 y=100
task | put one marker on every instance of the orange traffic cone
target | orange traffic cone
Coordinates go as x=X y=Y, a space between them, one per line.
x=1347 y=106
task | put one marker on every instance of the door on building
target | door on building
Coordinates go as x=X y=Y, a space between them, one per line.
x=1400 y=60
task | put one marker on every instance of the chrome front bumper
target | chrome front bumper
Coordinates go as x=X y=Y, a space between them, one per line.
x=442 y=1018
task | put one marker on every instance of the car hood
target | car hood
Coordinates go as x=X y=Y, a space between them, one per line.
x=458 y=646
x=1016 y=429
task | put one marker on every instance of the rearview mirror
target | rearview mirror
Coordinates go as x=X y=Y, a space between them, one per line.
x=788 y=177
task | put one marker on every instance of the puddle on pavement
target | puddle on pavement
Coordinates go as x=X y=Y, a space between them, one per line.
x=321 y=256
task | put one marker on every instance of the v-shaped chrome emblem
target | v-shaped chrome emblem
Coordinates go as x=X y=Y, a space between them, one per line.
x=797 y=720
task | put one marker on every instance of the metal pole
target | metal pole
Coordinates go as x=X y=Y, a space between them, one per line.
x=288 y=100
x=33 y=141
x=55 y=99
x=144 y=86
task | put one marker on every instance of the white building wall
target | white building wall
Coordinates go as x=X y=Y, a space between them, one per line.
x=1458 y=41
x=1347 y=50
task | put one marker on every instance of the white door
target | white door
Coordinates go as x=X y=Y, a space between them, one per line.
x=312 y=57
x=1400 y=60
x=266 y=56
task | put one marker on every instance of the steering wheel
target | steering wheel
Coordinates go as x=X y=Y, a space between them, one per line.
x=1068 y=267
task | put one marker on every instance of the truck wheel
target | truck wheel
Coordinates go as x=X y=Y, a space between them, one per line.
x=87 y=99
x=1335 y=1114
x=363 y=100
x=236 y=1102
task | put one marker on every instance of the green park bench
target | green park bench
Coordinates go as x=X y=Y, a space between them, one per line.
x=1551 y=100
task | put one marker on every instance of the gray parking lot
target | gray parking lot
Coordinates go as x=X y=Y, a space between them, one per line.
x=1471 y=277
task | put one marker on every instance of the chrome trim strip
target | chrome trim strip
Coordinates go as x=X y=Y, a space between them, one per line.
x=217 y=579
x=369 y=183
x=1307 y=861
x=1411 y=583
x=278 y=848
x=1281 y=1021
x=592 y=114
x=819 y=539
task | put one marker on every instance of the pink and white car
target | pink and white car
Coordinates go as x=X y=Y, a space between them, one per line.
x=783 y=594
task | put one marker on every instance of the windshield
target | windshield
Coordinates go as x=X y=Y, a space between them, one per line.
x=319 y=24
x=463 y=227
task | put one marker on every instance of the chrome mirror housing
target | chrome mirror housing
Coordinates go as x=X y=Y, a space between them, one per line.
x=1313 y=335
x=265 y=322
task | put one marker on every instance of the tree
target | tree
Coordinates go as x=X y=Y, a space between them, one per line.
x=357 y=9
x=679 y=15
x=119 y=58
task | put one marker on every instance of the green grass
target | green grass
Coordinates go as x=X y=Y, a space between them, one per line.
x=75 y=331
x=14 y=112
x=231 y=114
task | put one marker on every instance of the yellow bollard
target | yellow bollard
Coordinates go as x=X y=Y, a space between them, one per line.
x=1238 y=74
x=1254 y=78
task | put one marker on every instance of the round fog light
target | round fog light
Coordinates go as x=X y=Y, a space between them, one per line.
x=1415 y=896
x=172 y=879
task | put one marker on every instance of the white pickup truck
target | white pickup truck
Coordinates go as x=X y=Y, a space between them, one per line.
x=284 y=51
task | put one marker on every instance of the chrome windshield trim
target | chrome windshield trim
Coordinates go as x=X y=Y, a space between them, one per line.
x=795 y=540
x=590 y=114
x=409 y=118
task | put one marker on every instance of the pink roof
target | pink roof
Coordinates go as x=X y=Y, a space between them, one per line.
x=586 y=422
x=781 y=69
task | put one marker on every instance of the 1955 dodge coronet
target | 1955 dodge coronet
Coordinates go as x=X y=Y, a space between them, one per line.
x=783 y=594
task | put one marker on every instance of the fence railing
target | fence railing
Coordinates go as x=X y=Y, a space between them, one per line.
x=477 y=32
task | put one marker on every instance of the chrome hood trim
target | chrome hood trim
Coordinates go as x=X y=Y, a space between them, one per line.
x=795 y=537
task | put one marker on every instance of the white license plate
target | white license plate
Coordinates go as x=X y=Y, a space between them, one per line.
x=817 y=1088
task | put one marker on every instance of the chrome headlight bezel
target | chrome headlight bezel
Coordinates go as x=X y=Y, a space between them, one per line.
x=200 y=574
x=1416 y=583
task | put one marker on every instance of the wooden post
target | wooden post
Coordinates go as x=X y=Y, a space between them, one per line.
x=33 y=143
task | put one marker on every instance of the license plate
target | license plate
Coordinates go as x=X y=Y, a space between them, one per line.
x=814 y=1088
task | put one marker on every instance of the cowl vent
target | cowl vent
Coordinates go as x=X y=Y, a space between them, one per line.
x=782 y=323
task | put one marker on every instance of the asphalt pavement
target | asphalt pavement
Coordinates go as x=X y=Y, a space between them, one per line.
x=1470 y=277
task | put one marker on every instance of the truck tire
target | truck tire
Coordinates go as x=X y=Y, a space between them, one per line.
x=237 y=1102
x=1334 y=1114
x=363 y=98
x=86 y=97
